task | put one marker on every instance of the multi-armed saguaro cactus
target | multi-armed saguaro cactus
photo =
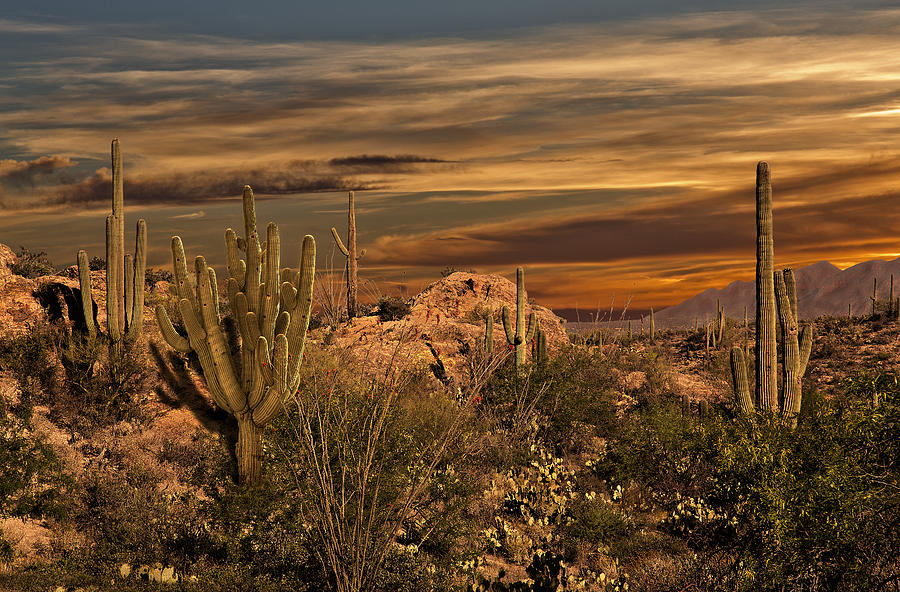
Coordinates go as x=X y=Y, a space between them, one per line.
x=775 y=293
x=124 y=271
x=522 y=334
x=353 y=258
x=272 y=317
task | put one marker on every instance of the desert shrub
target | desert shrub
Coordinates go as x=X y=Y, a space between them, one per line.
x=650 y=452
x=32 y=264
x=451 y=269
x=97 y=264
x=388 y=446
x=597 y=521
x=568 y=400
x=152 y=275
x=392 y=308
x=101 y=386
x=29 y=358
x=32 y=484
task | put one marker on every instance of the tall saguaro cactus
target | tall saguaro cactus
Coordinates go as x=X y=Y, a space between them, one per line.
x=766 y=352
x=271 y=307
x=350 y=253
x=124 y=271
x=521 y=334
x=775 y=293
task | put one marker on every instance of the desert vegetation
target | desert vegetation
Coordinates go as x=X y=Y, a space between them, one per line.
x=237 y=444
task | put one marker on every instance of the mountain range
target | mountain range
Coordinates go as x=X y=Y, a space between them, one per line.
x=822 y=289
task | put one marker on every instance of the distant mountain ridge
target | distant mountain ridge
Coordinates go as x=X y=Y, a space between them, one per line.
x=822 y=289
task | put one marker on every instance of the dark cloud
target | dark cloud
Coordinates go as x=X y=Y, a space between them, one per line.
x=202 y=186
x=26 y=172
x=380 y=160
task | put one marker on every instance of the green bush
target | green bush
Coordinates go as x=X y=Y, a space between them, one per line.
x=29 y=359
x=810 y=508
x=597 y=521
x=32 y=484
x=568 y=400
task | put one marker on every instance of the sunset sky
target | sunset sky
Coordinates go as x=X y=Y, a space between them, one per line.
x=608 y=147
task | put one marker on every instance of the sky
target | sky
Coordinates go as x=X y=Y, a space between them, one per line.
x=609 y=148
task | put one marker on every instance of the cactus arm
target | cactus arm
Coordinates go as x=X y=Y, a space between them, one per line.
x=282 y=322
x=140 y=272
x=489 y=333
x=129 y=291
x=299 y=325
x=272 y=292
x=790 y=285
x=281 y=377
x=766 y=352
x=218 y=349
x=197 y=338
x=252 y=326
x=241 y=309
x=237 y=267
x=249 y=215
x=532 y=327
x=183 y=285
x=339 y=242
x=169 y=333
x=739 y=377
x=507 y=326
x=265 y=367
x=84 y=283
x=112 y=309
x=806 y=342
x=791 y=365
x=251 y=285
x=214 y=288
x=232 y=290
x=288 y=295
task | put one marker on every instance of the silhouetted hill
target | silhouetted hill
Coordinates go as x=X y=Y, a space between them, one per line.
x=822 y=289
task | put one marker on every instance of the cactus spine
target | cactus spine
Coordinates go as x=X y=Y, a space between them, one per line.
x=350 y=253
x=522 y=334
x=775 y=292
x=272 y=317
x=124 y=272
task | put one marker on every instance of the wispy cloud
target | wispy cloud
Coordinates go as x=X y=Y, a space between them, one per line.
x=600 y=147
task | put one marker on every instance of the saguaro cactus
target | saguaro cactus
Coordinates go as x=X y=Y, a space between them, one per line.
x=769 y=285
x=124 y=271
x=539 y=346
x=766 y=352
x=350 y=253
x=272 y=318
x=652 y=327
x=521 y=335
